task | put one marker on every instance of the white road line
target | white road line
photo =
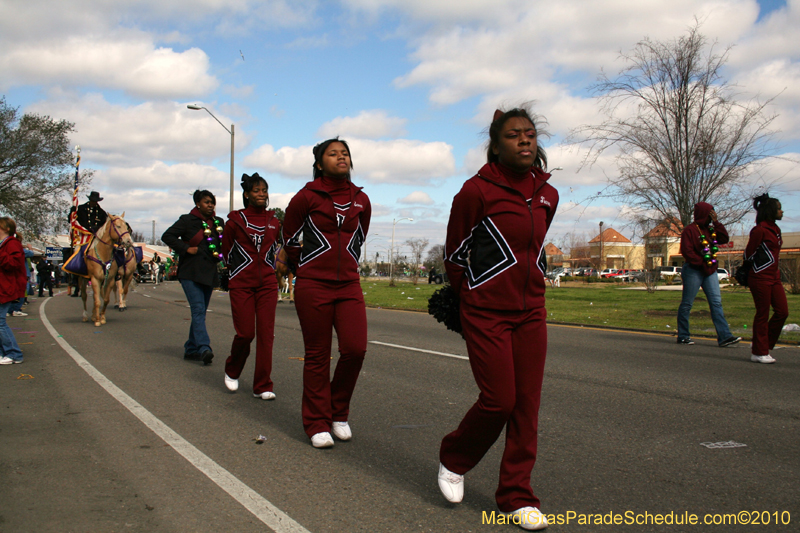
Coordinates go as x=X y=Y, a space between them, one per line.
x=146 y=295
x=273 y=517
x=420 y=350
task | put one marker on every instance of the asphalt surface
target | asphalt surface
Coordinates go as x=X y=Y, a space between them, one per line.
x=622 y=421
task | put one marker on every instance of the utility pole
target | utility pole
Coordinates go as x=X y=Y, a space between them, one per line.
x=153 y=242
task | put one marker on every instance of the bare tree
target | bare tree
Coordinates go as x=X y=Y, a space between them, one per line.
x=435 y=258
x=682 y=132
x=37 y=175
x=417 y=249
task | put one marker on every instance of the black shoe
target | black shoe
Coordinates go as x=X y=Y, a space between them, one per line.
x=728 y=342
x=687 y=340
x=206 y=357
x=191 y=357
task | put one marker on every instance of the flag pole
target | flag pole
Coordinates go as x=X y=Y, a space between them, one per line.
x=74 y=212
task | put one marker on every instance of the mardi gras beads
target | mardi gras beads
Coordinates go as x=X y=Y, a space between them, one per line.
x=210 y=238
x=710 y=249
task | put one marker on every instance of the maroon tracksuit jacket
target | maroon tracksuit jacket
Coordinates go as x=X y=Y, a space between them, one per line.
x=333 y=218
x=494 y=256
x=249 y=246
x=764 y=281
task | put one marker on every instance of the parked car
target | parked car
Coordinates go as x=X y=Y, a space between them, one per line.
x=624 y=274
x=608 y=272
x=722 y=274
x=665 y=271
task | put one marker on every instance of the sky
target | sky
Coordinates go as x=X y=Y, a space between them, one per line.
x=410 y=84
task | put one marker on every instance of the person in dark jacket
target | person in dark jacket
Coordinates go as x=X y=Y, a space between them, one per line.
x=13 y=282
x=700 y=242
x=196 y=237
x=45 y=270
x=249 y=247
x=764 y=281
x=90 y=215
x=333 y=216
x=494 y=254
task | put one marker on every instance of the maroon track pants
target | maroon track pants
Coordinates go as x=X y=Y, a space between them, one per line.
x=321 y=307
x=253 y=310
x=507 y=352
x=766 y=330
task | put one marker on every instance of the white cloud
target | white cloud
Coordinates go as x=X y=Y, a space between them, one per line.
x=367 y=125
x=130 y=63
x=114 y=134
x=398 y=161
x=417 y=198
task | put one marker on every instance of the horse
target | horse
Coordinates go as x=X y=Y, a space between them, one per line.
x=284 y=275
x=99 y=252
x=127 y=262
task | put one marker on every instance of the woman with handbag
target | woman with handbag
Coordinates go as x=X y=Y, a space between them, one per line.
x=764 y=280
x=196 y=238
x=249 y=245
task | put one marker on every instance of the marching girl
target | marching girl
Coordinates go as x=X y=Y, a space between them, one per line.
x=494 y=258
x=764 y=281
x=249 y=244
x=196 y=238
x=333 y=216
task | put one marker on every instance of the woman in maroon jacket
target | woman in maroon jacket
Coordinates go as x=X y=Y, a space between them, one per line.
x=333 y=216
x=494 y=256
x=764 y=248
x=13 y=282
x=249 y=245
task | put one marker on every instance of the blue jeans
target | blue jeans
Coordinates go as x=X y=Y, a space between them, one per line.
x=693 y=279
x=198 y=297
x=7 y=340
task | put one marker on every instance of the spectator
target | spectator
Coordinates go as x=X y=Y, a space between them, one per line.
x=12 y=287
x=16 y=307
x=45 y=271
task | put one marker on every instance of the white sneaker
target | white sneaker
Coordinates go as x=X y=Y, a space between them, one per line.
x=766 y=359
x=528 y=518
x=322 y=440
x=342 y=430
x=232 y=384
x=451 y=485
x=269 y=395
x=19 y=313
x=8 y=361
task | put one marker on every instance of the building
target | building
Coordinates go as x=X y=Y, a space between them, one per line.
x=611 y=249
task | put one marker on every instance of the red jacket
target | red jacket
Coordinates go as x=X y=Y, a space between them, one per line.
x=13 y=280
x=494 y=253
x=764 y=247
x=249 y=246
x=692 y=245
x=332 y=235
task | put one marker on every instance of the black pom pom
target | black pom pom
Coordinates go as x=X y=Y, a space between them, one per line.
x=444 y=306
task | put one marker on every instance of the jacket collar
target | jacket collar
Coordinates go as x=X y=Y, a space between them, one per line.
x=492 y=174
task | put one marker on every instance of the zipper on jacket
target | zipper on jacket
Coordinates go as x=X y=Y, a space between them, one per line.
x=530 y=244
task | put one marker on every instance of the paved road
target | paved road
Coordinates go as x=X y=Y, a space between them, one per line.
x=622 y=422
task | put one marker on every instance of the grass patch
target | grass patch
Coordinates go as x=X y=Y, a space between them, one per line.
x=606 y=306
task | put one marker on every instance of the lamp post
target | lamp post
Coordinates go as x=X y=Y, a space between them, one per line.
x=391 y=250
x=197 y=108
x=366 y=257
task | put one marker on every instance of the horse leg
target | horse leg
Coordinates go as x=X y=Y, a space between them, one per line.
x=83 y=287
x=290 y=279
x=97 y=288
x=126 y=283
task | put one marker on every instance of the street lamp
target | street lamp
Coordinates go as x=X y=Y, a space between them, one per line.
x=600 y=262
x=391 y=250
x=197 y=108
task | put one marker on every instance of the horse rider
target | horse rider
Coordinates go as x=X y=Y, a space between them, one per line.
x=90 y=215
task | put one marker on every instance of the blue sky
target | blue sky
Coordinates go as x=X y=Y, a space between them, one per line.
x=411 y=84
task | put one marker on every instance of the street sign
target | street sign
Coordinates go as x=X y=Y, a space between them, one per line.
x=53 y=253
